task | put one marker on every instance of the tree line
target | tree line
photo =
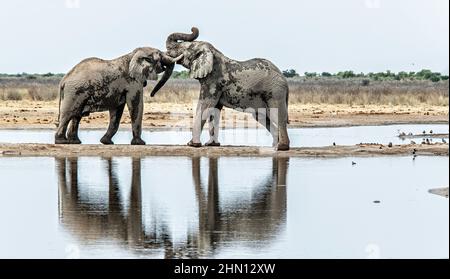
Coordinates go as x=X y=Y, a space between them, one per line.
x=424 y=74
x=291 y=73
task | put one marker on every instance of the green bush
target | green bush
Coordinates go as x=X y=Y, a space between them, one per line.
x=310 y=75
x=180 y=75
x=290 y=73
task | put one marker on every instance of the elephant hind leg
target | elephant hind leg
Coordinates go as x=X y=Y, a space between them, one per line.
x=60 y=135
x=214 y=123
x=72 y=133
x=278 y=120
x=263 y=118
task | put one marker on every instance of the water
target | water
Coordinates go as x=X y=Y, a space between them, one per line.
x=169 y=207
x=310 y=137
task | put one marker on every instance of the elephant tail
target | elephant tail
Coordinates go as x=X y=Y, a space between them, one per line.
x=61 y=96
x=287 y=106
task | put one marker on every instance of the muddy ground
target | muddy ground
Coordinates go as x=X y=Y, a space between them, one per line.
x=438 y=149
x=34 y=114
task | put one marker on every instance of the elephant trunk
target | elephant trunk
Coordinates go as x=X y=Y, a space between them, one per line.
x=174 y=37
x=169 y=62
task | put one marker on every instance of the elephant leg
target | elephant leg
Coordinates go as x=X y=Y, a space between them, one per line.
x=60 y=135
x=214 y=123
x=203 y=112
x=114 y=121
x=72 y=133
x=135 y=104
x=278 y=119
x=264 y=119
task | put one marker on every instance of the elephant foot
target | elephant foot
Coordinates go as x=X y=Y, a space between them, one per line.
x=137 y=141
x=74 y=141
x=61 y=141
x=106 y=140
x=282 y=147
x=194 y=144
x=212 y=144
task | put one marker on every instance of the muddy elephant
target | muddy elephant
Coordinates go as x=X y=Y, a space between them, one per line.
x=256 y=86
x=98 y=85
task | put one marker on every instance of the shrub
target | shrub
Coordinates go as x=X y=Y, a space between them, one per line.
x=290 y=73
x=310 y=75
x=13 y=95
x=365 y=82
x=181 y=74
x=435 y=78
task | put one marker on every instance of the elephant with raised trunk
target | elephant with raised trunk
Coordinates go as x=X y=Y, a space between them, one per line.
x=98 y=85
x=255 y=86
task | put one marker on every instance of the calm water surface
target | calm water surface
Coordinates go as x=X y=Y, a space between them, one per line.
x=254 y=137
x=171 y=207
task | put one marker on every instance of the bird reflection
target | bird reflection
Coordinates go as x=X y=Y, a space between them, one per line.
x=117 y=219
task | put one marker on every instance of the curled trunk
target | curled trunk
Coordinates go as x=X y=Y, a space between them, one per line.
x=169 y=62
x=175 y=37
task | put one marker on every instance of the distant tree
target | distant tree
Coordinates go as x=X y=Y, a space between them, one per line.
x=180 y=75
x=310 y=75
x=424 y=74
x=444 y=77
x=402 y=75
x=435 y=78
x=326 y=74
x=48 y=75
x=348 y=74
x=290 y=73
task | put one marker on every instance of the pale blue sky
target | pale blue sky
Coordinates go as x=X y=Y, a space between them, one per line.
x=321 y=35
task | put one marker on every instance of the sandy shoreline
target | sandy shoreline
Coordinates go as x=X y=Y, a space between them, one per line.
x=365 y=150
x=42 y=115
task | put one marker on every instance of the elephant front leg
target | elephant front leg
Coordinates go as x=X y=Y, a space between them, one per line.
x=203 y=112
x=135 y=104
x=114 y=121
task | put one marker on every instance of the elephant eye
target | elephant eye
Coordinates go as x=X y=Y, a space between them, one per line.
x=148 y=59
x=197 y=55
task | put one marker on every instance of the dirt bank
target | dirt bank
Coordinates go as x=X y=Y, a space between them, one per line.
x=33 y=114
x=178 y=150
x=440 y=191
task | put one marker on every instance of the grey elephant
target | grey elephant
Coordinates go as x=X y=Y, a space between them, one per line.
x=98 y=85
x=255 y=85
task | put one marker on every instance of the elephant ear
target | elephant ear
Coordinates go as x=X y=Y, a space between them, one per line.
x=202 y=65
x=136 y=70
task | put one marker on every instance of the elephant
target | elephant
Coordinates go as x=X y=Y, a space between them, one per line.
x=98 y=85
x=255 y=85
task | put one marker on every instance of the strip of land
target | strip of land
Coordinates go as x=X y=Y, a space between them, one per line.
x=27 y=114
x=367 y=150
x=440 y=191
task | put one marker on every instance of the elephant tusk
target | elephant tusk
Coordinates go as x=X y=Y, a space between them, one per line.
x=170 y=60
x=178 y=58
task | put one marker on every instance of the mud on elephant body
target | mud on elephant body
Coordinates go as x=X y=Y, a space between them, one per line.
x=256 y=86
x=98 y=85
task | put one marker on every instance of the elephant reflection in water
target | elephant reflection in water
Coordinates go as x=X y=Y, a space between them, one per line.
x=91 y=222
x=258 y=220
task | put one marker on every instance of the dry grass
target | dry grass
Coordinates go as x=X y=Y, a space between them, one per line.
x=174 y=91
x=302 y=91
x=357 y=92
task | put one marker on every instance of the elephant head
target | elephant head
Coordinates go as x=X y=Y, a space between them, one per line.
x=196 y=56
x=146 y=63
